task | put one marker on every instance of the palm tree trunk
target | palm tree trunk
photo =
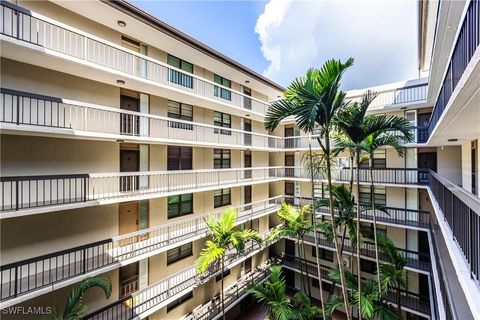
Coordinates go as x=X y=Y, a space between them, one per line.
x=223 y=300
x=399 y=306
x=359 y=278
x=306 y=270
x=372 y=197
x=351 y=173
x=334 y=225
x=315 y=234
x=342 y=244
x=302 y=263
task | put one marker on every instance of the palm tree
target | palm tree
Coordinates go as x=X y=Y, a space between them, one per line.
x=224 y=237
x=273 y=294
x=296 y=223
x=313 y=101
x=392 y=272
x=372 y=143
x=279 y=306
x=369 y=298
x=75 y=308
x=354 y=125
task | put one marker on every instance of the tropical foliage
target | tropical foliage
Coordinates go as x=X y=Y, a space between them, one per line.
x=75 y=308
x=224 y=238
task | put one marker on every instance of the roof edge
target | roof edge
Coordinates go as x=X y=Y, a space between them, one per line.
x=136 y=12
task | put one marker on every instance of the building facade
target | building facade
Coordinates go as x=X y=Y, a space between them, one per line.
x=121 y=134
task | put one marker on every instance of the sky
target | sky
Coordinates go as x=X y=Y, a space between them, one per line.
x=281 y=39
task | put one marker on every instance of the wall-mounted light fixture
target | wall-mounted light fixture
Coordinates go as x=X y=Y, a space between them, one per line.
x=121 y=23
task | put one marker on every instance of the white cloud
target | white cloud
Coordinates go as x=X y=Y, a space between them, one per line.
x=380 y=35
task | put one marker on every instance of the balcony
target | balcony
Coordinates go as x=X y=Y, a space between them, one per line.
x=409 y=300
x=417 y=219
x=417 y=261
x=466 y=44
x=233 y=295
x=157 y=295
x=35 y=194
x=394 y=176
x=57 y=269
x=409 y=94
x=23 y=195
x=36 y=32
x=30 y=112
x=461 y=212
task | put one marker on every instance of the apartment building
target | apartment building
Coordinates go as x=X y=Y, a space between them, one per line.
x=120 y=134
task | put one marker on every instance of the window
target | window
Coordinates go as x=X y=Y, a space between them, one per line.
x=172 y=305
x=179 y=158
x=325 y=286
x=180 y=205
x=221 y=198
x=222 y=120
x=219 y=277
x=368 y=266
x=379 y=160
x=324 y=254
x=178 y=77
x=179 y=253
x=221 y=158
x=180 y=111
x=222 y=92
x=379 y=195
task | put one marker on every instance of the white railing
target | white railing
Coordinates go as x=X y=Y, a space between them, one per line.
x=152 y=298
x=35 y=29
x=212 y=309
x=26 y=276
x=25 y=108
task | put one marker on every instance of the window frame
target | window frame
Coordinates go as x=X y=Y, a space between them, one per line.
x=180 y=115
x=180 y=205
x=223 y=196
x=184 y=251
x=182 y=78
x=222 y=123
x=222 y=92
x=225 y=160
x=379 y=194
x=325 y=254
x=180 y=159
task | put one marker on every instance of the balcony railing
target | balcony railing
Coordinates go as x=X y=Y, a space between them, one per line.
x=465 y=46
x=410 y=300
x=213 y=308
x=32 y=274
x=388 y=175
x=397 y=216
x=34 y=29
x=402 y=95
x=129 y=286
x=461 y=211
x=415 y=259
x=29 y=192
x=153 y=297
x=24 y=108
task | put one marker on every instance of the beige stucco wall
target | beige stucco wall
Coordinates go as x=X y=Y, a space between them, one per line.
x=449 y=163
x=24 y=155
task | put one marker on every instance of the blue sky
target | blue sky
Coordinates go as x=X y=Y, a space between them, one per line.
x=282 y=38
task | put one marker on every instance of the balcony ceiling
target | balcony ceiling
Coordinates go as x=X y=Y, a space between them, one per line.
x=107 y=15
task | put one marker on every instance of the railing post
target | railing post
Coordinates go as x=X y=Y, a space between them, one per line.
x=84 y=189
x=15 y=290
x=18 y=109
x=84 y=262
x=17 y=196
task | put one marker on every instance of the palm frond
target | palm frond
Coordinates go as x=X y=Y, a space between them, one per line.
x=211 y=253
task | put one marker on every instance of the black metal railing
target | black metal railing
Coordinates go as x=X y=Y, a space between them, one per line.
x=416 y=260
x=466 y=44
x=422 y=134
x=31 y=274
x=397 y=216
x=408 y=299
x=387 y=175
x=461 y=211
x=26 y=192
